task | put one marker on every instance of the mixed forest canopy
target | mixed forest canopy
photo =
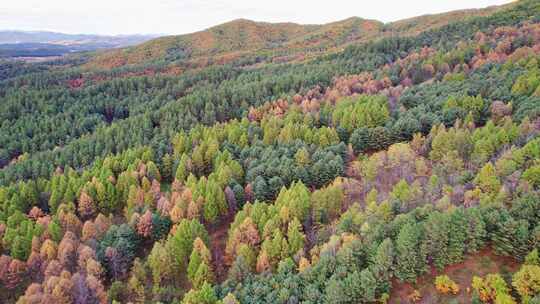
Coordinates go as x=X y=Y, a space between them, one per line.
x=361 y=167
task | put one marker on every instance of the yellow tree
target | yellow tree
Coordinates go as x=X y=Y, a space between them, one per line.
x=527 y=282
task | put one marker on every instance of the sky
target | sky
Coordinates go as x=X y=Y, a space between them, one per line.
x=114 y=17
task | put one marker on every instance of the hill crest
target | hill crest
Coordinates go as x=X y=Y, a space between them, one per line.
x=282 y=41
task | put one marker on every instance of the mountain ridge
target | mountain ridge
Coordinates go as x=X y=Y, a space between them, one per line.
x=50 y=37
x=228 y=41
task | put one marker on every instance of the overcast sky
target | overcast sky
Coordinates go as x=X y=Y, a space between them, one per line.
x=185 y=16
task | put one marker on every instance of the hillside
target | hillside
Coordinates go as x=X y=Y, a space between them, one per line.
x=231 y=40
x=281 y=41
x=418 y=24
x=352 y=162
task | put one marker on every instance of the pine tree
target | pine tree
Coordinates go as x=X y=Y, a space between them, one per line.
x=20 y=248
x=295 y=237
x=476 y=233
x=159 y=261
x=302 y=157
x=203 y=275
x=360 y=140
x=260 y=189
x=272 y=246
x=144 y=225
x=87 y=208
x=239 y=270
x=182 y=172
x=167 y=167
x=457 y=236
x=274 y=185
x=410 y=261
x=263 y=262
x=180 y=244
x=136 y=290
x=215 y=203
x=153 y=171
x=445 y=285
x=527 y=282
x=487 y=179
x=532 y=258
x=368 y=285
x=381 y=265
x=230 y=299
x=204 y=295
x=512 y=238
x=248 y=254
x=199 y=255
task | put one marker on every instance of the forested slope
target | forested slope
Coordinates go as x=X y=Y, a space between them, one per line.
x=244 y=40
x=333 y=178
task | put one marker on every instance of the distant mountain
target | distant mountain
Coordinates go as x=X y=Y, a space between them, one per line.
x=12 y=37
x=41 y=50
x=241 y=38
x=45 y=44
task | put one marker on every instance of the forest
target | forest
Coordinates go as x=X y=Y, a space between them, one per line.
x=365 y=175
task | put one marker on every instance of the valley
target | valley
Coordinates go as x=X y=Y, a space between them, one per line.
x=350 y=162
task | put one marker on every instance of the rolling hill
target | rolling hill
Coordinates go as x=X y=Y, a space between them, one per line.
x=285 y=41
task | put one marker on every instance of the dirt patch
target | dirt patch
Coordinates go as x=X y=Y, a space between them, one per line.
x=218 y=240
x=480 y=264
x=353 y=192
